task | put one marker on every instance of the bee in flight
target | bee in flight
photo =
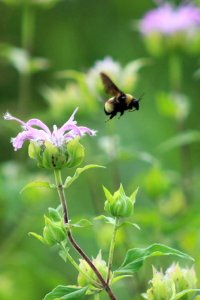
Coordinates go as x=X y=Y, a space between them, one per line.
x=119 y=101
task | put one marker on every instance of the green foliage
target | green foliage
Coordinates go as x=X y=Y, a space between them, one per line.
x=135 y=257
x=69 y=180
x=66 y=292
x=146 y=148
x=37 y=184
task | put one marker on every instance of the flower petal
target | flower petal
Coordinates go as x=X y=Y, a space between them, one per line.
x=32 y=134
x=69 y=127
x=8 y=116
x=87 y=130
x=38 y=123
x=69 y=122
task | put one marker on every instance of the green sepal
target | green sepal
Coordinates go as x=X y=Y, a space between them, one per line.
x=69 y=180
x=37 y=184
x=38 y=237
x=108 y=194
x=54 y=214
x=53 y=232
x=62 y=292
x=135 y=257
x=133 y=196
x=76 y=153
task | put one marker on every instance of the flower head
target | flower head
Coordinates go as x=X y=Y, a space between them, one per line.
x=172 y=283
x=57 y=137
x=170 y=27
x=51 y=149
x=169 y=20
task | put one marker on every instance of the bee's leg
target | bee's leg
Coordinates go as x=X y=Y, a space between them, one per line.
x=112 y=115
x=132 y=109
x=121 y=113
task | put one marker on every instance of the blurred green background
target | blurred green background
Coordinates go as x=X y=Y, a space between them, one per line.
x=156 y=148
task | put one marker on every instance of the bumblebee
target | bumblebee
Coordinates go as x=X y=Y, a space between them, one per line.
x=120 y=101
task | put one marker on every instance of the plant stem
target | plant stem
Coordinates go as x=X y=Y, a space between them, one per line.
x=61 y=193
x=27 y=30
x=175 y=72
x=175 y=77
x=112 y=246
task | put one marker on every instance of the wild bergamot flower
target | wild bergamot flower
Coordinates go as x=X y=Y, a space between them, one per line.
x=176 y=26
x=54 y=149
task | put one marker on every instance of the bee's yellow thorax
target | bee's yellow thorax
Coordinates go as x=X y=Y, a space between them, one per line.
x=129 y=98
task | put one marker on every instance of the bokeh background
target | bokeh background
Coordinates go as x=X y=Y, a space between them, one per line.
x=50 y=55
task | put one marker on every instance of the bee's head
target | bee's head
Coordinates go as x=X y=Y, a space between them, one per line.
x=135 y=103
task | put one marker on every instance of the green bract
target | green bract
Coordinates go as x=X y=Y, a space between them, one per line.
x=53 y=232
x=118 y=204
x=49 y=156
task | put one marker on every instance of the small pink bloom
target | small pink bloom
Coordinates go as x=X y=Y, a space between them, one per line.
x=36 y=130
x=167 y=19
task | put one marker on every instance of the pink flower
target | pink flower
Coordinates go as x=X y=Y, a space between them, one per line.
x=41 y=133
x=169 y=20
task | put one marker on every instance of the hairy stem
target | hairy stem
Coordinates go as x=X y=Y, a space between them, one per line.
x=111 y=252
x=61 y=193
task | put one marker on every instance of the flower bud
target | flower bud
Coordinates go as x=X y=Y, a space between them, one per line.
x=118 y=204
x=161 y=287
x=99 y=263
x=167 y=285
x=183 y=278
x=50 y=156
x=53 y=232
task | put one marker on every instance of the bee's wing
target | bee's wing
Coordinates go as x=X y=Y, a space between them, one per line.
x=110 y=87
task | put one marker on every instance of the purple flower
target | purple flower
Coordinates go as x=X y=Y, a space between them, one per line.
x=169 y=20
x=57 y=137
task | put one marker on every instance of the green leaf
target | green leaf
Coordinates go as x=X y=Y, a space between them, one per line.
x=180 y=140
x=108 y=220
x=63 y=254
x=135 y=257
x=69 y=180
x=188 y=291
x=82 y=223
x=37 y=184
x=129 y=223
x=66 y=292
x=117 y=278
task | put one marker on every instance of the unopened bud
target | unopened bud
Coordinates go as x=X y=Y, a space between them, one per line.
x=118 y=204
